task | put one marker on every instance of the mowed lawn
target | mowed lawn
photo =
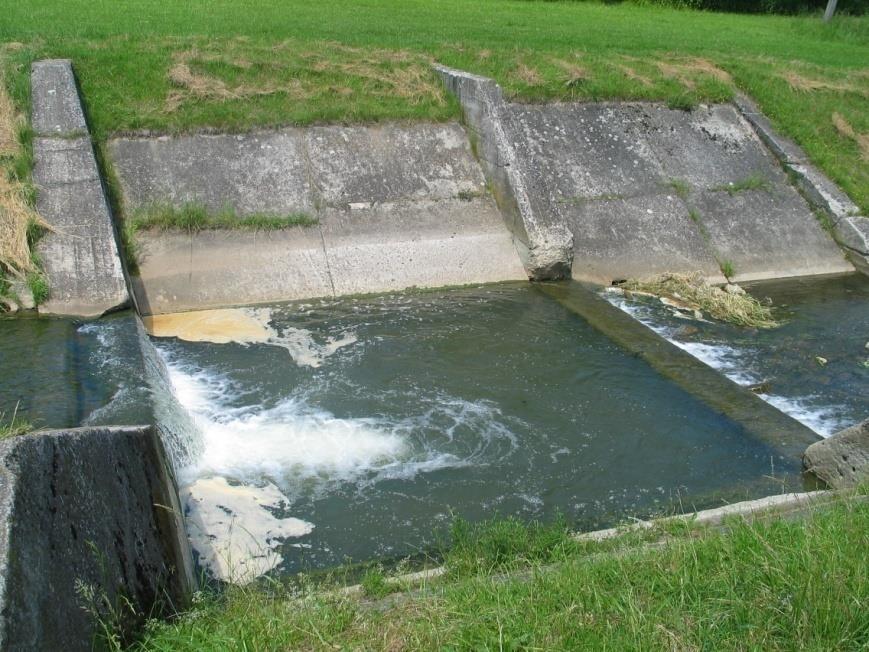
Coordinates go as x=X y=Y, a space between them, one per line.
x=173 y=66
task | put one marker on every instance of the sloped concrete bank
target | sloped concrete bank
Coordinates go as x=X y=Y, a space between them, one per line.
x=643 y=189
x=397 y=206
x=90 y=519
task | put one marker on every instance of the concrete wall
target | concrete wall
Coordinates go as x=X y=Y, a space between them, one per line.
x=79 y=253
x=398 y=206
x=93 y=507
x=642 y=188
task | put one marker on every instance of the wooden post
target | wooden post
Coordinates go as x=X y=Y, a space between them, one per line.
x=831 y=9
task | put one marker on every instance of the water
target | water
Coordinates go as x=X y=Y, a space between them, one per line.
x=822 y=317
x=373 y=421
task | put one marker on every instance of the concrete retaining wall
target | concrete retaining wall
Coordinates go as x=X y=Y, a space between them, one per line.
x=80 y=253
x=398 y=206
x=644 y=189
x=86 y=510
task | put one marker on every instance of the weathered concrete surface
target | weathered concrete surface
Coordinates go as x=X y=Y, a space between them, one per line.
x=398 y=206
x=545 y=244
x=841 y=461
x=853 y=234
x=93 y=507
x=80 y=253
x=607 y=173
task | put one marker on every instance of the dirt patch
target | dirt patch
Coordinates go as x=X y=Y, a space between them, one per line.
x=845 y=128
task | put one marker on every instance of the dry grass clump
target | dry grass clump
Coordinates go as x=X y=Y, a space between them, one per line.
x=574 y=73
x=693 y=292
x=802 y=83
x=687 y=71
x=17 y=217
x=527 y=74
x=845 y=128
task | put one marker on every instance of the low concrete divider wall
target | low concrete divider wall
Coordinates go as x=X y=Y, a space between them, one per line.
x=89 y=517
x=80 y=252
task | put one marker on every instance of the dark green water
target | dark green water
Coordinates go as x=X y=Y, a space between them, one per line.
x=475 y=402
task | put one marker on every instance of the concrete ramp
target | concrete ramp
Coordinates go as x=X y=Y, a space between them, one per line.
x=644 y=189
x=79 y=254
x=397 y=206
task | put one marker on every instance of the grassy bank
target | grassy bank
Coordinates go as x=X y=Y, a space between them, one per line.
x=782 y=585
x=236 y=64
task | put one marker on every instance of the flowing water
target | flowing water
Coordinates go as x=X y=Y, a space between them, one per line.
x=358 y=428
x=373 y=421
x=815 y=366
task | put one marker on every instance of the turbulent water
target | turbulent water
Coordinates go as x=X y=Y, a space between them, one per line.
x=814 y=367
x=471 y=402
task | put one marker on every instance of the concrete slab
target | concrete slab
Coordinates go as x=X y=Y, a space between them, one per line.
x=59 y=161
x=821 y=192
x=79 y=255
x=853 y=234
x=767 y=234
x=212 y=269
x=56 y=107
x=708 y=147
x=258 y=172
x=389 y=163
x=418 y=244
x=637 y=237
x=585 y=151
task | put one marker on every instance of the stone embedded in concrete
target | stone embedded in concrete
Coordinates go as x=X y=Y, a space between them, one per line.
x=821 y=192
x=56 y=107
x=395 y=246
x=637 y=237
x=841 y=461
x=258 y=172
x=87 y=509
x=768 y=233
x=390 y=163
x=79 y=252
x=211 y=269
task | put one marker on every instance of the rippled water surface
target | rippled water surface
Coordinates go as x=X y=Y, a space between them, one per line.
x=815 y=366
x=380 y=418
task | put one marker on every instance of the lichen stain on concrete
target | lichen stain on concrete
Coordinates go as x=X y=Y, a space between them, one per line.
x=233 y=530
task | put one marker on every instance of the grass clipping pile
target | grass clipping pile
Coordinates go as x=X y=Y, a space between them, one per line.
x=692 y=292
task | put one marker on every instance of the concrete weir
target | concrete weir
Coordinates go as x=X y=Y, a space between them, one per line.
x=397 y=206
x=80 y=252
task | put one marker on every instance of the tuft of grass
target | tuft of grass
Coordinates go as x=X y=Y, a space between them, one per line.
x=196 y=217
x=683 y=101
x=38 y=285
x=692 y=291
x=753 y=182
x=680 y=187
x=727 y=269
x=695 y=216
x=374 y=584
x=14 y=426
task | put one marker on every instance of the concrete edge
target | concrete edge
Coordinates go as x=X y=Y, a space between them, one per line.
x=777 y=505
x=58 y=116
x=546 y=251
x=821 y=193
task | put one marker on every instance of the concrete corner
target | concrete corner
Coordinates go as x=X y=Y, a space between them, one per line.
x=841 y=461
x=56 y=107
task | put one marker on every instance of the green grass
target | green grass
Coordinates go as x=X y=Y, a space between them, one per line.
x=680 y=187
x=13 y=426
x=196 y=217
x=728 y=269
x=779 y=585
x=754 y=182
x=237 y=64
